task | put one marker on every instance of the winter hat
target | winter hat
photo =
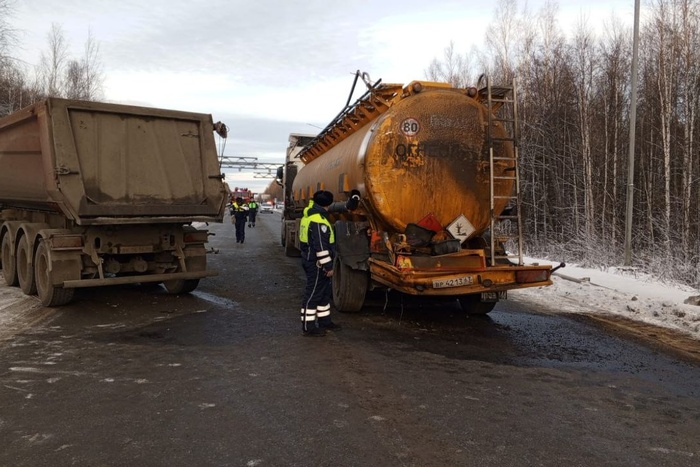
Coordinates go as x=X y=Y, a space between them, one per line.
x=323 y=198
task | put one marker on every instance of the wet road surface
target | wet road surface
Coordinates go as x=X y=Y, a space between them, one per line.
x=132 y=376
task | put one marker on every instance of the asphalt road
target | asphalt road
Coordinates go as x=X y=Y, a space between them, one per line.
x=130 y=376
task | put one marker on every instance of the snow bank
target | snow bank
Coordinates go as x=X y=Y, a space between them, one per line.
x=617 y=292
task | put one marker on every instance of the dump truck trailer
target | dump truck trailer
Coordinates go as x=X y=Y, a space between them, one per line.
x=95 y=194
x=437 y=170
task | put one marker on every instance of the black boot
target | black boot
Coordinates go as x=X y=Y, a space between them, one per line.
x=315 y=332
x=310 y=329
x=326 y=324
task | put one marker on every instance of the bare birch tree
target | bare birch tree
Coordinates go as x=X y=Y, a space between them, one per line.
x=613 y=83
x=52 y=65
x=689 y=84
x=584 y=70
x=453 y=68
x=7 y=33
x=665 y=57
x=92 y=69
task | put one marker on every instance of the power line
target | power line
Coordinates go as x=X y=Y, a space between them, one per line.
x=243 y=163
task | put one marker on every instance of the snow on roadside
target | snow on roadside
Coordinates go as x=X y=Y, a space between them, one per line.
x=616 y=292
x=15 y=309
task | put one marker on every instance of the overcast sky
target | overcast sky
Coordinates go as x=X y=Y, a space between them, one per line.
x=266 y=68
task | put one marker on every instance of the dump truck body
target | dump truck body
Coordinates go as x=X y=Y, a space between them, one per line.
x=423 y=157
x=100 y=194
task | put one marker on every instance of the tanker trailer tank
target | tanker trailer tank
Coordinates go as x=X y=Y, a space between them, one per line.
x=432 y=163
x=97 y=194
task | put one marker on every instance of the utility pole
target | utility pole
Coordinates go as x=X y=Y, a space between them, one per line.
x=633 y=124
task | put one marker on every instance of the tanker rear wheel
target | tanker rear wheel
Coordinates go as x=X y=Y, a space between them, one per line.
x=49 y=294
x=25 y=267
x=349 y=287
x=473 y=305
x=180 y=286
x=9 y=266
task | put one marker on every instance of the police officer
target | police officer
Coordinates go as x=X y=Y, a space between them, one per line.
x=317 y=252
x=317 y=241
x=252 y=211
x=239 y=214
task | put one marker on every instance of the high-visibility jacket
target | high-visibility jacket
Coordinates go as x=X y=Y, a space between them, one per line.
x=317 y=237
x=239 y=211
x=304 y=224
x=253 y=205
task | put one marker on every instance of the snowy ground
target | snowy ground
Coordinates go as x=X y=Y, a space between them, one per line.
x=17 y=311
x=575 y=290
x=626 y=294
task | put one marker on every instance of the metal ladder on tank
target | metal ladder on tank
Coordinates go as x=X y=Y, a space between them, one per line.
x=503 y=108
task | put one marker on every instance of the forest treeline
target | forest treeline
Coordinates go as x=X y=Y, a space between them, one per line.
x=58 y=74
x=574 y=105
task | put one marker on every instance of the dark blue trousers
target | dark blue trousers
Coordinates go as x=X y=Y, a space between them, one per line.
x=240 y=229
x=317 y=295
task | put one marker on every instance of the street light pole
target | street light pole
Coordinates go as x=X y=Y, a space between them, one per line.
x=633 y=123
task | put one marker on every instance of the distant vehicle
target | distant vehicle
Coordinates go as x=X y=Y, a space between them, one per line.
x=279 y=206
x=265 y=207
x=244 y=193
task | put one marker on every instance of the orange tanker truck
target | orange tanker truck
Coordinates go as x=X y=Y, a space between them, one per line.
x=437 y=169
x=95 y=194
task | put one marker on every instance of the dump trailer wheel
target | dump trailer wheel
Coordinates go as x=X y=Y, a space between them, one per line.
x=193 y=263
x=472 y=305
x=9 y=266
x=49 y=294
x=25 y=267
x=349 y=287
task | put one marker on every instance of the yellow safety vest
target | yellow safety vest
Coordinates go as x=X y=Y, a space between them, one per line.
x=306 y=223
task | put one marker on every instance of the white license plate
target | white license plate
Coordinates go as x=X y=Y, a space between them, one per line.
x=455 y=282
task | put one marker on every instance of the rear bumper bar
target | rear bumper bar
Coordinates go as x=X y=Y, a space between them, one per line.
x=490 y=279
x=75 y=284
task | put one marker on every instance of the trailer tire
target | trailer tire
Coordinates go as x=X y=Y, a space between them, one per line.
x=9 y=265
x=49 y=294
x=472 y=305
x=349 y=287
x=180 y=286
x=289 y=248
x=25 y=266
x=193 y=263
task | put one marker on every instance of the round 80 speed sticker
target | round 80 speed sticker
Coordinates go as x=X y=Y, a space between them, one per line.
x=410 y=127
